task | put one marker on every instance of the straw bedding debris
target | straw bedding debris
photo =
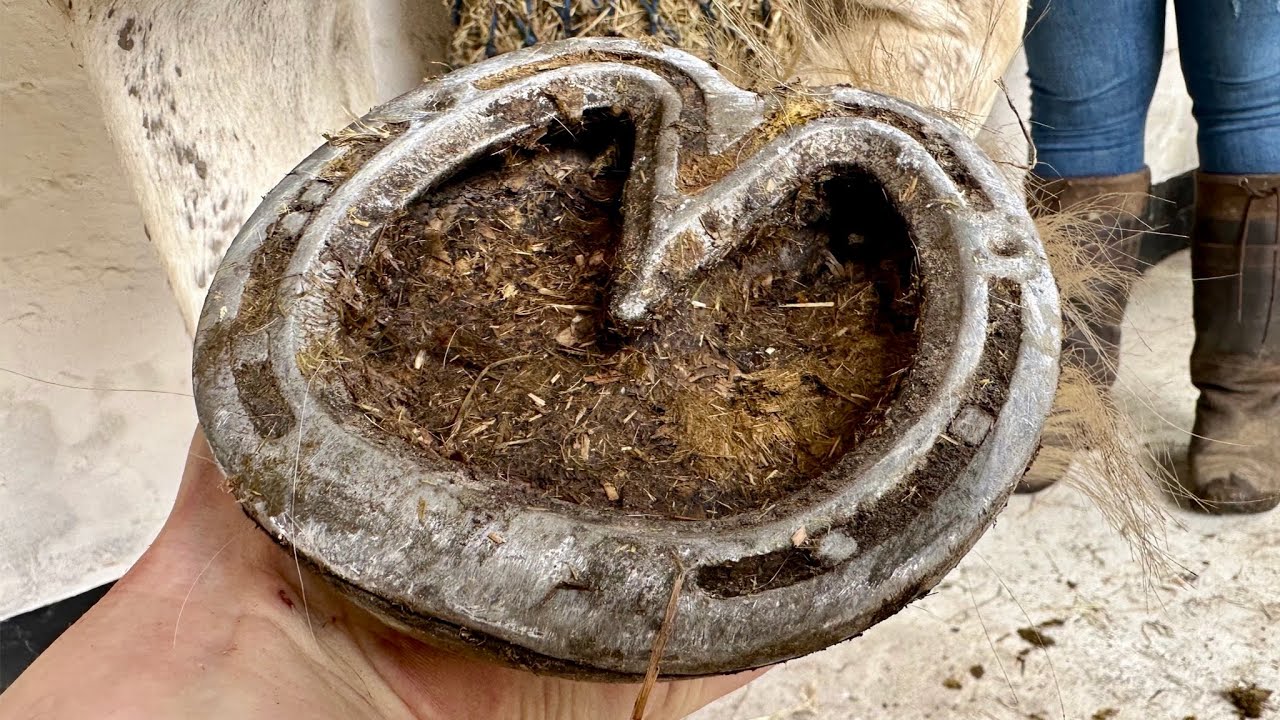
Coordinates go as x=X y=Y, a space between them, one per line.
x=477 y=331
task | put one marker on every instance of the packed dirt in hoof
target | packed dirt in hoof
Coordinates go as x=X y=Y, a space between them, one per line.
x=478 y=331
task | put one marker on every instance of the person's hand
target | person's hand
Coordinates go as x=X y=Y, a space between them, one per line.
x=213 y=622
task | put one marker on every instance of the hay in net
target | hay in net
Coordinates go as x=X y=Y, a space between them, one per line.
x=749 y=40
x=893 y=48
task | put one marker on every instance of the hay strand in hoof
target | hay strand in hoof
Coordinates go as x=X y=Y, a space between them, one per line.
x=659 y=646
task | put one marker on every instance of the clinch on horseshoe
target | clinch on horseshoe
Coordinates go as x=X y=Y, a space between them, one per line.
x=432 y=543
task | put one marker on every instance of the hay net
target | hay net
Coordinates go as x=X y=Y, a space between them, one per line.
x=749 y=40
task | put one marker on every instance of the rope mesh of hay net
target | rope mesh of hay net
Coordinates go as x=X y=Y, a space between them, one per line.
x=750 y=40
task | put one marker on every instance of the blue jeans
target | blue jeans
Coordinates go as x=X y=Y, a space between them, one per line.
x=1093 y=66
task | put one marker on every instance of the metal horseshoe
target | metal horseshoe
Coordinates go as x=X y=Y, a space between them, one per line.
x=885 y=523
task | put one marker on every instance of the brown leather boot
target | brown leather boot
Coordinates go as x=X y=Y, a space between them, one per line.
x=1111 y=209
x=1106 y=216
x=1235 y=451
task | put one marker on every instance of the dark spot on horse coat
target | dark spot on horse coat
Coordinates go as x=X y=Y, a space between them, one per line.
x=178 y=69
x=187 y=154
x=125 y=38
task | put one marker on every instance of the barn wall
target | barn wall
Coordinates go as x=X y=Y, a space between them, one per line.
x=86 y=477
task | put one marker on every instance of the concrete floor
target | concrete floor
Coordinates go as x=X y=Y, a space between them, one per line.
x=86 y=476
